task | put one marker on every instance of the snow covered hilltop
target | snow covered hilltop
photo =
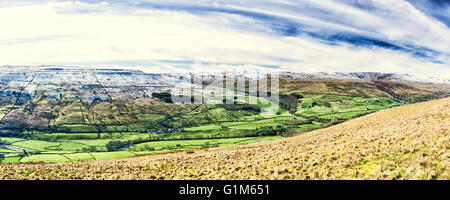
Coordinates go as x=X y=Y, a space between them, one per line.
x=101 y=84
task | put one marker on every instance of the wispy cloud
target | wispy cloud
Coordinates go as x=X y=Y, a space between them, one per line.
x=389 y=36
x=438 y=9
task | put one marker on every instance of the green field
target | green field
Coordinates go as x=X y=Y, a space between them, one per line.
x=159 y=147
x=191 y=144
x=146 y=129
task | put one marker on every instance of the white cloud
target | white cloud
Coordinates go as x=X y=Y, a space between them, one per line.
x=108 y=34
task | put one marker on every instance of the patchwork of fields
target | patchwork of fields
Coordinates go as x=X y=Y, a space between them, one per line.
x=214 y=126
x=55 y=115
x=407 y=142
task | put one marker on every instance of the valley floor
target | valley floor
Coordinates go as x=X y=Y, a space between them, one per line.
x=407 y=142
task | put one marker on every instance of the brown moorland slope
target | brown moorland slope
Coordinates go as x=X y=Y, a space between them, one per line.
x=365 y=88
x=408 y=142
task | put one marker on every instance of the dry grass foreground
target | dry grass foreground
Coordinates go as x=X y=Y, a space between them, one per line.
x=409 y=142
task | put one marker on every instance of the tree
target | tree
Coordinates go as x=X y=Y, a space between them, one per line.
x=164 y=96
x=289 y=103
x=297 y=95
x=113 y=145
x=206 y=144
x=25 y=153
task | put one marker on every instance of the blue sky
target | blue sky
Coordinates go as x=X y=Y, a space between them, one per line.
x=402 y=36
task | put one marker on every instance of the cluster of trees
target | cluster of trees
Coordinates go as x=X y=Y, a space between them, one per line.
x=298 y=122
x=237 y=107
x=206 y=144
x=289 y=102
x=164 y=96
x=145 y=148
x=263 y=131
x=116 y=144
x=14 y=133
x=171 y=147
x=270 y=131
x=321 y=103
x=89 y=149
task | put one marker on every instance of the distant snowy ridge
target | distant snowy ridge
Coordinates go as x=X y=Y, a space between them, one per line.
x=251 y=74
x=366 y=76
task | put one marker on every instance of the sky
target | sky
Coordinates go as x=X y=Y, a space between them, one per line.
x=391 y=36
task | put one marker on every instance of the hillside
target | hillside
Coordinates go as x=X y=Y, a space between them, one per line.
x=407 y=142
x=55 y=99
x=364 y=88
x=61 y=114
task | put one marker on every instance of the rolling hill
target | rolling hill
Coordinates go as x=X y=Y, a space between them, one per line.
x=407 y=142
